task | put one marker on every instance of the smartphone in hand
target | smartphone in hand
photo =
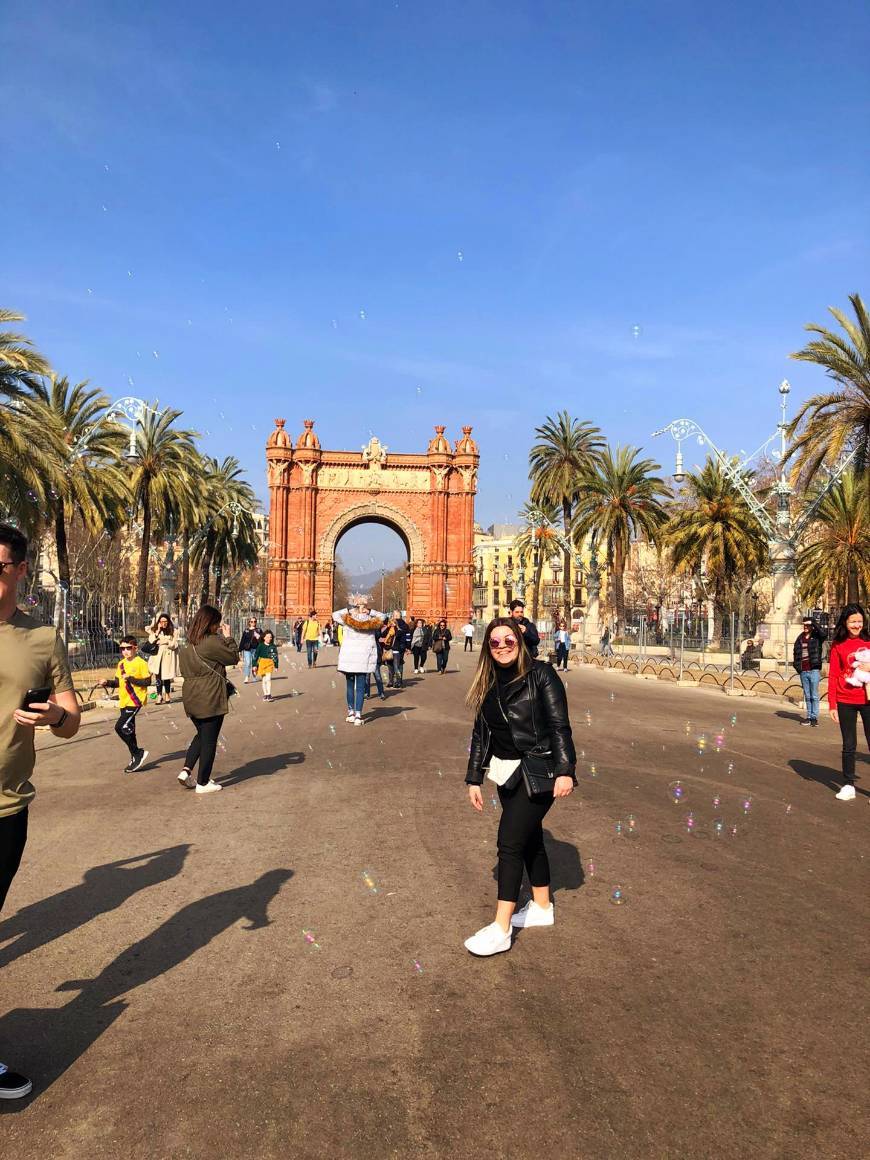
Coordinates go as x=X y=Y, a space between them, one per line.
x=36 y=697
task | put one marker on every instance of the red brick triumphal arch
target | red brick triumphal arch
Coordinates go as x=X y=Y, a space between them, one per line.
x=316 y=495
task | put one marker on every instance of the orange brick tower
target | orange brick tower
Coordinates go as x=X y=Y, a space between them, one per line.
x=316 y=495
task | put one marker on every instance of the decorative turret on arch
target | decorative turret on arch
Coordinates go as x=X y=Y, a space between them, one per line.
x=316 y=495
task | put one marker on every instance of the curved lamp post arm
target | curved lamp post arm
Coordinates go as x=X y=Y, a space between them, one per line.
x=681 y=429
x=129 y=408
x=835 y=477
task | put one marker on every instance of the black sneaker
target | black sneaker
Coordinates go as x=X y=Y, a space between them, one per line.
x=138 y=762
x=12 y=1085
x=815 y=722
x=806 y=721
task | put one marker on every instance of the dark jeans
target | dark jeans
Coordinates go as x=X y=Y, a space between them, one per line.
x=379 y=681
x=521 y=841
x=204 y=746
x=441 y=659
x=125 y=727
x=399 y=666
x=469 y=644
x=311 y=652
x=419 y=655
x=562 y=656
x=848 y=715
x=13 y=839
x=163 y=686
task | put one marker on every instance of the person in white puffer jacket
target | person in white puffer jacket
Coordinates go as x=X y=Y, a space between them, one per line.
x=358 y=654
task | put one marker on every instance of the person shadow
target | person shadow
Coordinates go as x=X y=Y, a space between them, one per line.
x=566 y=865
x=49 y=1040
x=262 y=767
x=103 y=888
x=823 y=774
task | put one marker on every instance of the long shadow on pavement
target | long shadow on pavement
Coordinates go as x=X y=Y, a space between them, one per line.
x=566 y=865
x=102 y=889
x=823 y=774
x=47 y=1041
x=374 y=714
x=262 y=767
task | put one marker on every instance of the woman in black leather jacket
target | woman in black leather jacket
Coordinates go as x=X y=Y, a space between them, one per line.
x=521 y=740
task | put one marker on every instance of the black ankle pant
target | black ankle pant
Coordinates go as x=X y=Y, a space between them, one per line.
x=13 y=839
x=521 y=841
x=203 y=747
x=848 y=715
x=125 y=727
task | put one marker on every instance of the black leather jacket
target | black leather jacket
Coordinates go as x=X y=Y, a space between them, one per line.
x=537 y=713
x=814 y=647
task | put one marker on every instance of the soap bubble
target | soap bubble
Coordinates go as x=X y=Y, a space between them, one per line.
x=717 y=801
x=677 y=791
x=362 y=315
x=311 y=939
x=635 y=330
x=418 y=967
x=720 y=741
x=730 y=766
x=690 y=822
x=369 y=881
x=617 y=896
x=631 y=829
x=277 y=144
x=459 y=256
x=733 y=720
x=588 y=718
x=702 y=743
x=419 y=390
x=718 y=827
x=332 y=730
x=156 y=353
x=618 y=829
x=747 y=804
x=593 y=770
x=688 y=728
x=788 y=808
x=31 y=601
x=733 y=830
x=590 y=869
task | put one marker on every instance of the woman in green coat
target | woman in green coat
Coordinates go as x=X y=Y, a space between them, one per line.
x=203 y=662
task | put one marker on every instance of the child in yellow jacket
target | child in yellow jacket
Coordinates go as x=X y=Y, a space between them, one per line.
x=132 y=678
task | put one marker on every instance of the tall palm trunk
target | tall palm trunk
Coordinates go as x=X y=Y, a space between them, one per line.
x=60 y=543
x=142 y=580
x=185 y=575
x=218 y=584
x=205 y=570
x=536 y=589
x=566 y=560
x=619 y=586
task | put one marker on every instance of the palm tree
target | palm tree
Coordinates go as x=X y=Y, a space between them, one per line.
x=566 y=450
x=828 y=425
x=80 y=464
x=163 y=472
x=22 y=486
x=838 y=557
x=228 y=537
x=537 y=542
x=713 y=530
x=620 y=500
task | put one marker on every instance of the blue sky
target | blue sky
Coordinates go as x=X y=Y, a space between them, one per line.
x=389 y=215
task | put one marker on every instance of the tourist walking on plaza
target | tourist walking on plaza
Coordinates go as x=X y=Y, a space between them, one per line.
x=163 y=664
x=526 y=626
x=297 y=633
x=358 y=653
x=420 y=640
x=33 y=660
x=847 y=688
x=468 y=637
x=563 y=647
x=401 y=645
x=132 y=678
x=379 y=680
x=311 y=636
x=266 y=662
x=387 y=645
x=605 y=648
x=807 y=660
x=441 y=638
x=205 y=692
x=251 y=637
x=521 y=741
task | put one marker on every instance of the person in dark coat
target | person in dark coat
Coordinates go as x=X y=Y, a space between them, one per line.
x=521 y=730
x=807 y=661
x=441 y=638
x=527 y=627
x=204 y=694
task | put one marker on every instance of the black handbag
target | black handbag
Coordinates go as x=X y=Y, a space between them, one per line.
x=149 y=648
x=538 y=772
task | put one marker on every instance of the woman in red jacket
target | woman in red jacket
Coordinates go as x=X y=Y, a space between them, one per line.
x=847 y=697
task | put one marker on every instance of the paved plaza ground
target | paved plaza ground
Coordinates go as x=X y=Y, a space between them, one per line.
x=159 y=988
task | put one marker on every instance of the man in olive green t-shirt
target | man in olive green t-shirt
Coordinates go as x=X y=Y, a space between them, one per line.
x=32 y=656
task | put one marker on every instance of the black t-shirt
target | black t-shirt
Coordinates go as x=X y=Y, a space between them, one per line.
x=502 y=741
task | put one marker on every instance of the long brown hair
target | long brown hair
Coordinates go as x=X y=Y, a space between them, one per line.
x=484 y=678
x=204 y=622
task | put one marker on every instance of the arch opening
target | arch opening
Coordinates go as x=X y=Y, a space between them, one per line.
x=372 y=555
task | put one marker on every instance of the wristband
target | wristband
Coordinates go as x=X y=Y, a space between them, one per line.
x=62 y=721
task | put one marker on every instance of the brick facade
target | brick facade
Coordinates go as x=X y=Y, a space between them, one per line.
x=316 y=495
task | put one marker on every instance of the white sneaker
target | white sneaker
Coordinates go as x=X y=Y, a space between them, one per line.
x=846 y=794
x=349 y=717
x=357 y=720
x=533 y=915
x=491 y=940
x=209 y=787
x=186 y=780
